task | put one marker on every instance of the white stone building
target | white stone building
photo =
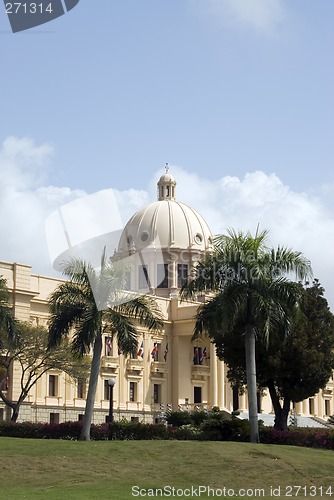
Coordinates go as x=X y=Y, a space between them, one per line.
x=170 y=368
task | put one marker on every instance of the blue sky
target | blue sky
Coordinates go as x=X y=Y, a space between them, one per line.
x=237 y=95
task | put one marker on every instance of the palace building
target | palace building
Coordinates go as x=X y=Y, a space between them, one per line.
x=164 y=239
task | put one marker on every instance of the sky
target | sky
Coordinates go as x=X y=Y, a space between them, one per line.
x=236 y=95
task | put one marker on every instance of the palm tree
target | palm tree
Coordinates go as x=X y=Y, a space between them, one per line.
x=251 y=289
x=90 y=303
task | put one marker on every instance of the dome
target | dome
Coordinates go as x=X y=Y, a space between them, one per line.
x=162 y=243
x=166 y=224
x=167 y=178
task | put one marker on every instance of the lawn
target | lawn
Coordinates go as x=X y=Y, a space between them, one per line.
x=66 y=470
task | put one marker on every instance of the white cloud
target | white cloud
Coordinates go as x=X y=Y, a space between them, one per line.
x=302 y=221
x=263 y=16
x=298 y=220
x=25 y=202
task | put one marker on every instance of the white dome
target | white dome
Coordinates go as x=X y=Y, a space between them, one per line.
x=163 y=242
x=166 y=224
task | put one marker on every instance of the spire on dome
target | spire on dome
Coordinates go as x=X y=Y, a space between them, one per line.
x=166 y=186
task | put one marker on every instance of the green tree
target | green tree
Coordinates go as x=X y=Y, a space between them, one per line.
x=248 y=279
x=30 y=351
x=297 y=368
x=92 y=302
x=6 y=318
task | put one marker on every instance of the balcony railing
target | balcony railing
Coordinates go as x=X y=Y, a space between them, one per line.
x=158 y=367
x=134 y=364
x=109 y=362
x=200 y=370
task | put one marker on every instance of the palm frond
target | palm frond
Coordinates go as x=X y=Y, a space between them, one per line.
x=287 y=261
x=222 y=312
x=85 y=333
x=69 y=305
x=142 y=308
x=123 y=328
x=207 y=276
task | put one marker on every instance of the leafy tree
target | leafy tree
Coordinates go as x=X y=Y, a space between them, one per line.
x=250 y=290
x=6 y=318
x=295 y=369
x=30 y=351
x=90 y=303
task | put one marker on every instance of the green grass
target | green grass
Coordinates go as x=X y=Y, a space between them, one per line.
x=66 y=470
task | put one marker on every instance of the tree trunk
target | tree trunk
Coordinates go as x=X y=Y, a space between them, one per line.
x=285 y=413
x=93 y=379
x=281 y=413
x=14 y=406
x=251 y=384
x=15 y=413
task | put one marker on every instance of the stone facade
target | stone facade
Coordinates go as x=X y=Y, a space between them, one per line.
x=171 y=369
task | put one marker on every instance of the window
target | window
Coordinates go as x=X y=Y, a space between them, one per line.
x=155 y=352
x=81 y=388
x=1 y=414
x=198 y=356
x=197 y=395
x=135 y=420
x=143 y=277
x=144 y=236
x=108 y=346
x=182 y=274
x=162 y=275
x=157 y=393
x=54 y=418
x=133 y=392
x=311 y=406
x=327 y=407
x=53 y=385
x=80 y=417
x=5 y=384
x=106 y=390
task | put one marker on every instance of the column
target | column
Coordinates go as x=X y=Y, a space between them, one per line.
x=213 y=376
x=221 y=384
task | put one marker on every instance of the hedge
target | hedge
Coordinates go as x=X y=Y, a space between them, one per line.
x=308 y=437
x=214 y=428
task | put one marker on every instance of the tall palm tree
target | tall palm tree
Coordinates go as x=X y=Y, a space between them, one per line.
x=92 y=302
x=251 y=288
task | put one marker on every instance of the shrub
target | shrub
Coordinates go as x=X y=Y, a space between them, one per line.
x=216 y=427
x=66 y=430
x=313 y=438
x=184 y=433
x=134 y=430
x=198 y=417
x=178 y=418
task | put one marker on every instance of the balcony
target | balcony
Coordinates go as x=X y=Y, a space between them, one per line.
x=135 y=365
x=109 y=362
x=158 y=367
x=198 y=371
